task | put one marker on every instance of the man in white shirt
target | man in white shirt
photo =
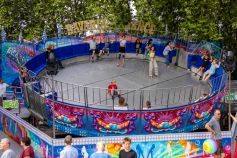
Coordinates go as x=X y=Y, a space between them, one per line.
x=5 y=147
x=68 y=151
x=93 y=49
x=122 y=47
x=166 y=52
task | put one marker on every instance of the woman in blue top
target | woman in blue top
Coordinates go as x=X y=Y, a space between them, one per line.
x=212 y=70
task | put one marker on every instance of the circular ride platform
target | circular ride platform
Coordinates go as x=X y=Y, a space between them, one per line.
x=173 y=87
x=81 y=105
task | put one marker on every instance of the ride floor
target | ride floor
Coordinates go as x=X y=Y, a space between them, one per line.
x=174 y=86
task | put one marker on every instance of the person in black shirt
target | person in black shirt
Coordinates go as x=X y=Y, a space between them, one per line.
x=48 y=56
x=138 y=46
x=127 y=152
x=204 y=66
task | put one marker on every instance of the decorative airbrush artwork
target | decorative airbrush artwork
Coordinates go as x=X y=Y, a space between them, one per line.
x=66 y=115
x=14 y=55
x=17 y=131
x=113 y=122
x=202 y=111
x=164 y=120
x=157 y=149
x=81 y=120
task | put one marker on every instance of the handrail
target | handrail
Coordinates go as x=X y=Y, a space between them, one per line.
x=98 y=96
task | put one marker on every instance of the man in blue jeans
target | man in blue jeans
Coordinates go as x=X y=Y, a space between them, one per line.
x=169 y=47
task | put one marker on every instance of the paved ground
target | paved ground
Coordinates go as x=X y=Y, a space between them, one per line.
x=14 y=146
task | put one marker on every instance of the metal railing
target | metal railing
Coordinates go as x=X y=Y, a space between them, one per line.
x=97 y=97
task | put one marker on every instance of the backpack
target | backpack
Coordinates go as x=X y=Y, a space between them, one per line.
x=51 y=58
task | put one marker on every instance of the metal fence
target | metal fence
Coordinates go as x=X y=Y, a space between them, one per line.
x=96 y=97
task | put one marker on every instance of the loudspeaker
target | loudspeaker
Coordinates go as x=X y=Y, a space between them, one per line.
x=228 y=61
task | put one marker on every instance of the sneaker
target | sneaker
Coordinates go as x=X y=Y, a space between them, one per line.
x=195 y=74
x=200 y=78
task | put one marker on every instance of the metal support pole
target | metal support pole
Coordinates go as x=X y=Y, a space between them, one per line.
x=53 y=106
x=168 y=98
x=229 y=100
x=191 y=95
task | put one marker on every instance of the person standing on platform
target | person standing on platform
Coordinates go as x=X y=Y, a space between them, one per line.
x=169 y=47
x=149 y=44
x=93 y=49
x=214 y=127
x=122 y=48
x=28 y=151
x=68 y=151
x=100 y=153
x=5 y=148
x=138 y=46
x=51 y=58
x=113 y=89
x=127 y=152
x=153 y=67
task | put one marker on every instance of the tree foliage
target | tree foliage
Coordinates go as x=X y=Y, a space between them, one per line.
x=200 y=19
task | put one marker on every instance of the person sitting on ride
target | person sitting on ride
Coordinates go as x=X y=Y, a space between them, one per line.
x=122 y=104
x=166 y=52
x=206 y=59
x=147 y=106
x=105 y=48
x=113 y=89
x=212 y=69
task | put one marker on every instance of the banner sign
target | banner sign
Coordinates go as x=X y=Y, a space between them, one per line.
x=230 y=97
x=102 y=24
x=10 y=104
